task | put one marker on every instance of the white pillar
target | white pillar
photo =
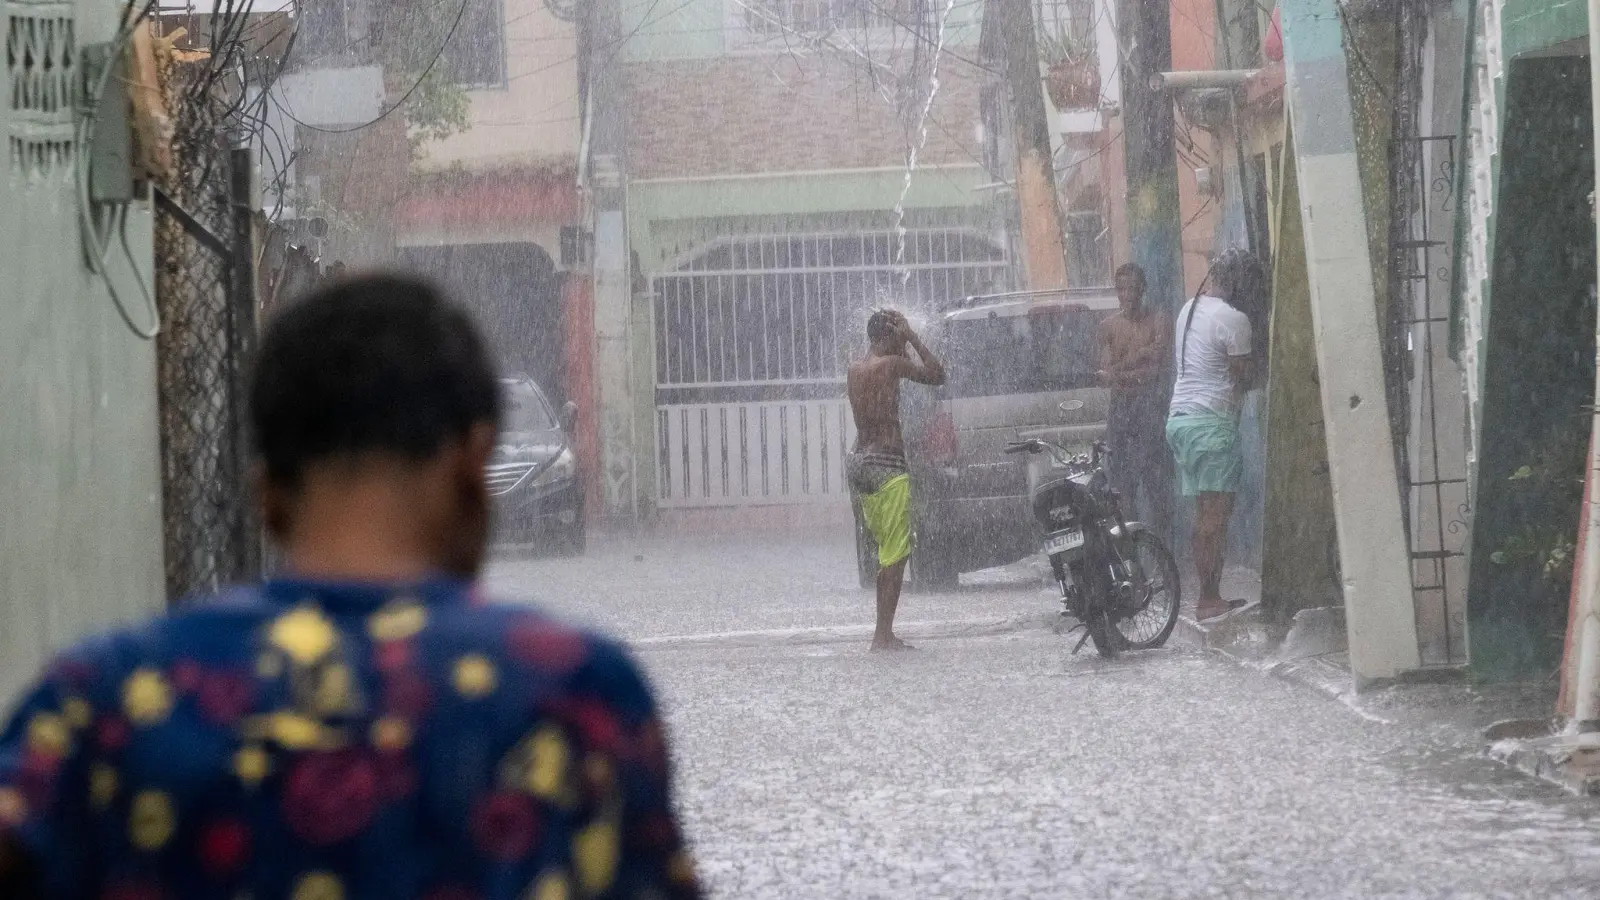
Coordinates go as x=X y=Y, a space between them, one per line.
x=1373 y=553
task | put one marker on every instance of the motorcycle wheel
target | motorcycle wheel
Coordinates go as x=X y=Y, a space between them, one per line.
x=1097 y=617
x=1158 y=592
x=1105 y=638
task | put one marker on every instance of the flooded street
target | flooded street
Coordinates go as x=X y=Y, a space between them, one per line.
x=991 y=763
x=1257 y=342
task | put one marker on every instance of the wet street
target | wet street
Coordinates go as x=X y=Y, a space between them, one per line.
x=992 y=763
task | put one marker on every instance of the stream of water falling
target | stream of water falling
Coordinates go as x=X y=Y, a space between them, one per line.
x=916 y=148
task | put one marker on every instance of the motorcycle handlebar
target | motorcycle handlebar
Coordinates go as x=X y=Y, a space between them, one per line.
x=1099 y=449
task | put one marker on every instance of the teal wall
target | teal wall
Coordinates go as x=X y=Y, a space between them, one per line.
x=1525 y=27
x=673 y=29
x=80 y=512
x=1531 y=25
x=1538 y=369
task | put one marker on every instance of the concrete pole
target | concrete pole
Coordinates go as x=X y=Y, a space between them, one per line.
x=1043 y=234
x=1380 y=613
x=613 y=288
x=1580 y=670
x=1154 y=230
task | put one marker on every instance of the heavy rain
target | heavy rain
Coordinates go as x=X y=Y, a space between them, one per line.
x=479 y=449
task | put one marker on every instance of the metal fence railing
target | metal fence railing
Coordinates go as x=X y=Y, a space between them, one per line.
x=205 y=294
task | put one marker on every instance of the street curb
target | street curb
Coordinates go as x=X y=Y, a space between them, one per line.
x=1568 y=761
x=848 y=634
x=1327 y=678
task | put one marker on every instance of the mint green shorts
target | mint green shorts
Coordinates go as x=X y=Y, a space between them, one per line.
x=1206 y=448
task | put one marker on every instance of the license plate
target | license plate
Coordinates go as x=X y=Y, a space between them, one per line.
x=1061 y=543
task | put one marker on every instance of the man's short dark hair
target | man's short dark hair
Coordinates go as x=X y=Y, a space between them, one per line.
x=377 y=364
x=880 y=325
x=1133 y=269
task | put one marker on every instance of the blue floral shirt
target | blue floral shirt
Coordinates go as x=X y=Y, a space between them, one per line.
x=316 y=741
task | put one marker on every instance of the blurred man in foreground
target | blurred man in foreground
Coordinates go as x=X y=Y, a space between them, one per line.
x=877 y=466
x=1135 y=351
x=360 y=728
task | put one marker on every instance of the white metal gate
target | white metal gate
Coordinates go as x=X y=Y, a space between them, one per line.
x=752 y=336
x=773 y=452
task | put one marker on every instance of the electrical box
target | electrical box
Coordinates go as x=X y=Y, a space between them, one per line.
x=110 y=157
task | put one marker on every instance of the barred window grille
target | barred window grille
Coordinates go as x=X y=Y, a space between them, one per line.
x=1067 y=19
x=476 y=58
x=770 y=309
x=41 y=71
x=777 y=17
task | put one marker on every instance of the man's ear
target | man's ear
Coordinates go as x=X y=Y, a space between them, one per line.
x=480 y=443
x=274 y=501
x=476 y=448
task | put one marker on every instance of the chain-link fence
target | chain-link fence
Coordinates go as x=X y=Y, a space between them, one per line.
x=205 y=293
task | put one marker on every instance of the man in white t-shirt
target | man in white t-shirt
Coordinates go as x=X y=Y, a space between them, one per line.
x=1214 y=370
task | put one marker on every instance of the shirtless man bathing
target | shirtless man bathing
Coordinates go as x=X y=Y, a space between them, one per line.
x=1135 y=357
x=877 y=467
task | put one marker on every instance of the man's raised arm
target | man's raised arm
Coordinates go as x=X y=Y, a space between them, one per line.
x=927 y=368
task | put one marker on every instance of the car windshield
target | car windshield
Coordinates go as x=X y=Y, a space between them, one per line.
x=526 y=411
x=1049 y=349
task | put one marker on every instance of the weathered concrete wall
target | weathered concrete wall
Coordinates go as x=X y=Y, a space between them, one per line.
x=80 y=515
x=1299 y=546
x=753 y=114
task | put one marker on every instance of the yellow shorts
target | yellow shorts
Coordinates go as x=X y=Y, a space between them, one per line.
x=888 y=516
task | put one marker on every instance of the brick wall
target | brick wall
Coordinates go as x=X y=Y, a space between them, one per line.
x=783 y=113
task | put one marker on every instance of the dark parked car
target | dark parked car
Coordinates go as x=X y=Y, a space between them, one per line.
x=1021 y=366
x=533 y=475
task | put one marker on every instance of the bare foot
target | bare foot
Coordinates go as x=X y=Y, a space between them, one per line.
x=890 y=643
x=1211 y=612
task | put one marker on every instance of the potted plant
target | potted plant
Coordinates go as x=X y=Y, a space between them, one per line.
x=1073 y=77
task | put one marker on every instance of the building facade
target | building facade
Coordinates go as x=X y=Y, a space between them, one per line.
x=80 y=460
x=768 y=208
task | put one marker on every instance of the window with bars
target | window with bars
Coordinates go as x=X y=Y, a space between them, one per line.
x=476 y=57
x=773 y=309
x=334 y=32
x=1088 y=249
x=777 y=17
x=1066 y=28
x=41 y=66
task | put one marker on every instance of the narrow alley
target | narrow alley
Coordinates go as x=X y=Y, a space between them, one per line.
x=992 y=763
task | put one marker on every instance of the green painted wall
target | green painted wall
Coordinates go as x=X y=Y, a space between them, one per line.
x=665 y=213
x=675 y=29
x=1299 y=542
x=1527 y=26
x=80 y=511
x=1538 y=367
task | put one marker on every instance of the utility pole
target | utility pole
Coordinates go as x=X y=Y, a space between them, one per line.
x=1154 y=231
x=613 y=286
x=1043 y=228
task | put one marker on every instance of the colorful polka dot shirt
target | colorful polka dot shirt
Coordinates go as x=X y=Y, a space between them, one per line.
x=316 y=741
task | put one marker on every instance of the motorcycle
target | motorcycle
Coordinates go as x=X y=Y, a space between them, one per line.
x=1118 y=580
